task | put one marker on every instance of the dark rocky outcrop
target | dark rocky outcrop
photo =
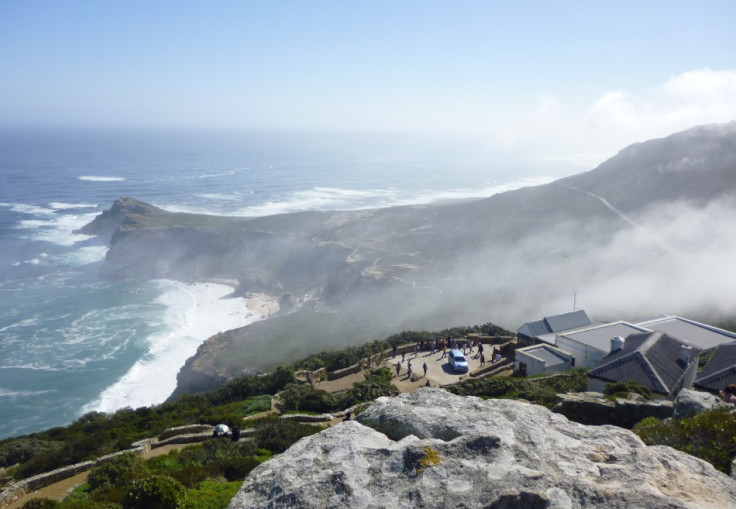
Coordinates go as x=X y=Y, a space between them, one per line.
x=433 y=449
x=123 y=210
x=594 y=408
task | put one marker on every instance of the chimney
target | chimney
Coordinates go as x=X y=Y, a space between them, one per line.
x=685 y=353
x=617 y=343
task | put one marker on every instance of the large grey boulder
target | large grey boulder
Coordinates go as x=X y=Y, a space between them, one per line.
x=430 y=448
x=690 y=402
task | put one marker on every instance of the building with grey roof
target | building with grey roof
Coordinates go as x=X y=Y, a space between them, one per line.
x=653 y=359
x=544 y=330
x=694 y=333
x=541 y=359
x=588 y=345
x=720 y=370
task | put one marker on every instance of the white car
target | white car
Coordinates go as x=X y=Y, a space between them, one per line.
x=458 y=361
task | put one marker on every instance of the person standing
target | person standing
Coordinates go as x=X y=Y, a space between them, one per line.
x=398 y=368
x=425 y=369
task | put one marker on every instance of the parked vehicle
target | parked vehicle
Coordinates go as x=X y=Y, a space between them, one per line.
x=458 y=362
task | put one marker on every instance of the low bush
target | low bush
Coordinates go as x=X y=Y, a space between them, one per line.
x=623 y=389
x=155 y=492
x=542 y=391
x=119 y=471
x=710 y=436
x=211 y=495
x=277 y=435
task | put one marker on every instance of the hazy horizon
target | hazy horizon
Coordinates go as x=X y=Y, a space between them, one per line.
x=572 y=82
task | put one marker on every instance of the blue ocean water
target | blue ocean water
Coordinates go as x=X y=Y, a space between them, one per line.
x=70 y=343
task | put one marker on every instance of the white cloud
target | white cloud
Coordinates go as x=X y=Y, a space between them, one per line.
x=619 y=118
x=590 y=133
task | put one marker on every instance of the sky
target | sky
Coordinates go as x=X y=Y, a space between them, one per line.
x=569 y=80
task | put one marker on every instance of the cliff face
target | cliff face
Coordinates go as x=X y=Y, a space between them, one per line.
x=433 y=449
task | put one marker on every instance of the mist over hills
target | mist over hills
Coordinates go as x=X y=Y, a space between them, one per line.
x=650 y=231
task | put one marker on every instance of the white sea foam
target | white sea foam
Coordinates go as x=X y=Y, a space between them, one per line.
x=66 y=206
x=9 y=393
x=28 y=322
x=194 y=313
x=58 y=228
x=23 y=208
x=92 y=178
x=217 y=196
x=84 y=255
x=330 y=198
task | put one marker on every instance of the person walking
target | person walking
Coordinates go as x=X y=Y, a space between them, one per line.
x=408 y=367
x=425 y=369
x=398 y=368
x=482 y=360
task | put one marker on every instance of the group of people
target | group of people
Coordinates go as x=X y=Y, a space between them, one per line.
x=409 y=369
x=434 y=345
x=728 y=394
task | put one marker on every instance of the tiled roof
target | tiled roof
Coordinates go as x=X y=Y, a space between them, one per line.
x=720 y=370
x=650 y=358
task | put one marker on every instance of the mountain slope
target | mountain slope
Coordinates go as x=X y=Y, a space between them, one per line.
x=650 y=231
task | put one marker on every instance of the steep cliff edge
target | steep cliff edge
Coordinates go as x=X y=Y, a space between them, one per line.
x=123 y=211
x=433 y=449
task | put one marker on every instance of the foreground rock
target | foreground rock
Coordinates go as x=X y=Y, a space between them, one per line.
x=433 y=449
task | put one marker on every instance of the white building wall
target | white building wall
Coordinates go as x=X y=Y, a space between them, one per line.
x=534 y=366
x=585 y=356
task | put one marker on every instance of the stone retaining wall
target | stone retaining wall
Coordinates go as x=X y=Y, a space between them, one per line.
x=340 y=373
x=13 y=492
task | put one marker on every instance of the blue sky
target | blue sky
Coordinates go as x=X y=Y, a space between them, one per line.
x=568 y=79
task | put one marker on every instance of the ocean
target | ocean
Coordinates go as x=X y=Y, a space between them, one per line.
x=71 y=343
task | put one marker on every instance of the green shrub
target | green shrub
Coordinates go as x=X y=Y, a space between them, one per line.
x=23 y=449
x=277 y=435
x=212 y=495
x=155 y=492
x=623 y=389
x=256 y=404
x=236 y=468
x=371 y=388
x=41 y=503
x=190 y=477
x=119 y=471
x=542 y=391
x=710 y=436
x=304 y=397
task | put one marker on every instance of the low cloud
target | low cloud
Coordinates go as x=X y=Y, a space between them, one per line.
x=677 y=260
x=617 y=118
